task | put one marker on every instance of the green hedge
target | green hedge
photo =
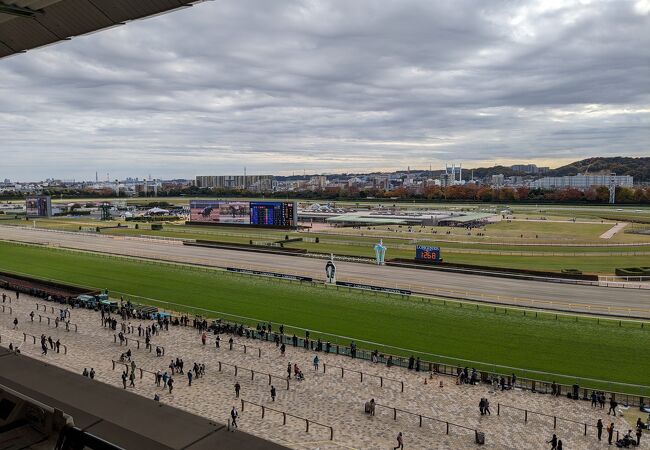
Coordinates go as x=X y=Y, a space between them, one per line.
x=151 y=218
x=633 y=271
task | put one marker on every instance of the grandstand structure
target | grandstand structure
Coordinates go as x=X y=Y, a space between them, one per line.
x=28 y=24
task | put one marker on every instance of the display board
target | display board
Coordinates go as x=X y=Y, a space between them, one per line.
x=38 y=206
x=264 y=214
x=427 y=253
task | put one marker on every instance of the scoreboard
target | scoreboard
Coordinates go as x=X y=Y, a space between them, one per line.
x=280 y=214
x=427 y=254
x=273 y=214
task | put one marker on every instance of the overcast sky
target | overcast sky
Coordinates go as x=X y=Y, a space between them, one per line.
x=327 y=85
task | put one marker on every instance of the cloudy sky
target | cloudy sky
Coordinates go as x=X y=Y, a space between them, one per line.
x=332 y=85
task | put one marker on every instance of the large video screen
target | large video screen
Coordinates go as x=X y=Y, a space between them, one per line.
x=38 y=206
x=270 y=214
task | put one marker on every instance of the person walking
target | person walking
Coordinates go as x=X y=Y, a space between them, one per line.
x=610 y=433
x=594 y=399
x=15 y=322
x=400 y=441
x=237 y=389
x=612 y=406
x=124 y=378
x=170 y=384
x=289 y=370
x=316 y=362
x=217 y=341
x=553 y=442
x=189 y=378
x=599 y=427
x=639 y=432
x=559 y=444
x=273 y=393
x=132 y=378
x=233 y=417
x=92 y=373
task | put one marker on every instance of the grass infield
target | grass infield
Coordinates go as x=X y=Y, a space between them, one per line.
x=583 y=347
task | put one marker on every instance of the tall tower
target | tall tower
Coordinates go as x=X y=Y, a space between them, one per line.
x=612 y=188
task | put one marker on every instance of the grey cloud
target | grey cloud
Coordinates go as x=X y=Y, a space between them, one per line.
x=331 y=85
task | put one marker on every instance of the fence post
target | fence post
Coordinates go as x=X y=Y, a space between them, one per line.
x=65 y=349
x=140 y=372
x=447 y=427
x=244 y=348
x=113 y=364
x=287 y=384
x=262 y=412
x=361 y=373
x=284 y=418
x=323 y=367
x=342 y=372
x=252 y=374
x=585 y=429
x=420 y=421
x=394 y=413
x=219 y=366
x=242 y=405
x=525 y=415
x=307 y=423
x=498 y=409
x=331 y=434
x=259 y=352
x=381 y=381
x=269 y=379
x=554 y=422
x=402 y=386
x=235 y=370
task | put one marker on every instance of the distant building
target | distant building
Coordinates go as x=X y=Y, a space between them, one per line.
x=529 y=169
x=452 y=175
x=253 y=182
x=318 y=182
x=582 y=182
x=498 y=179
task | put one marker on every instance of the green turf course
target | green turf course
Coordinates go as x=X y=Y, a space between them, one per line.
x=586 y=349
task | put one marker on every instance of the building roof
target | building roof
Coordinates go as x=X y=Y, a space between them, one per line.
x=27 y=24
x=354 y=218
x=128 y=420
x=465 y=218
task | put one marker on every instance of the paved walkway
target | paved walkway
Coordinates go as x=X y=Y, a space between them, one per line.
x=614 y=230
x=322 y=397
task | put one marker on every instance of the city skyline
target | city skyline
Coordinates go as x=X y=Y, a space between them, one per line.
x=332 y=87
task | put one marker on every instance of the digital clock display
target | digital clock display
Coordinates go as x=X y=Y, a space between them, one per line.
x=426 y=253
